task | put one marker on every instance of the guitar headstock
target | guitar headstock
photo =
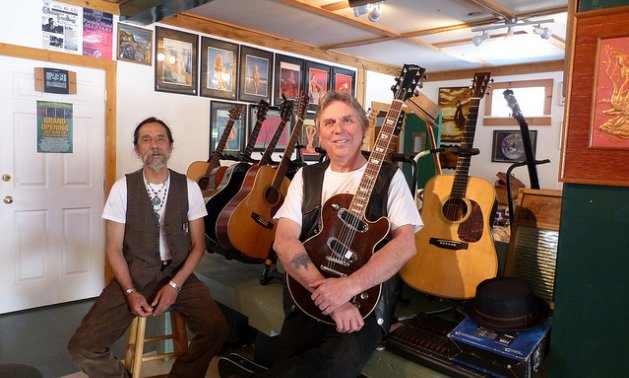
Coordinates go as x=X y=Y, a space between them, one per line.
x=286 y=109
x=263 y=108
x=512 y=102
x=302 y=104
x=410 y=78
x=480 y=84
x=234 y=113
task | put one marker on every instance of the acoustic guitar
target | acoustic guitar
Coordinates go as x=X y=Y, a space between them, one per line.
x=347 y=240
x=205 y=173
x=455 y=249
x=232 y=178
x=245 y=225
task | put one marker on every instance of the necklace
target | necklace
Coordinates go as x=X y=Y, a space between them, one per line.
x=154 y=196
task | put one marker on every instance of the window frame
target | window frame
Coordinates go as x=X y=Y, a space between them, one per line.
x=544 y=120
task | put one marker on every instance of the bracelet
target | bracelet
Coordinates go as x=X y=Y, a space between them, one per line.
x=129 y=291
x=175 y=286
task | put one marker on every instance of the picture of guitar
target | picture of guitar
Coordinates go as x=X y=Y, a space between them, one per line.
x=347 y=240
x=206 y=173
x=245 y=225
x=231 y=178
x=455 y=249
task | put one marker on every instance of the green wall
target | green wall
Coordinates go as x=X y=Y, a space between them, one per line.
x=590 y=334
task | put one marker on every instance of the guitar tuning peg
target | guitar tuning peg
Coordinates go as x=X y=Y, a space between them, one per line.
x=393 y=87
x=417 y=90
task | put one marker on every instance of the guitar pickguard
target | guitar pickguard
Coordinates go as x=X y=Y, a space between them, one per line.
x=471 y=230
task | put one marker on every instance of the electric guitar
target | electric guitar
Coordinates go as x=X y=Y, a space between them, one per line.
x=347 y=240
x=455 y=249
x=245 y=225
x=205 y=173
x=233 y=177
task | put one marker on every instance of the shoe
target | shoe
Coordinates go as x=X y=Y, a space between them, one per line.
x=235 y=365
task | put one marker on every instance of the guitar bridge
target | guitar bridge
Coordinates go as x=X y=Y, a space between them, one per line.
x=262 y=221
x=335 y=272
x=448 y=244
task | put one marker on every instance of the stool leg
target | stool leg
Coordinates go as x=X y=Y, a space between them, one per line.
x=131 y=341
x=180 y=337
x=139 y=347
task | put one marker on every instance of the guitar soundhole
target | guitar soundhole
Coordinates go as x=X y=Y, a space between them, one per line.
x=204 y=182
x=454 y=209
x=272 y=196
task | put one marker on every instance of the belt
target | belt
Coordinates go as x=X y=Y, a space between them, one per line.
x=165 y=263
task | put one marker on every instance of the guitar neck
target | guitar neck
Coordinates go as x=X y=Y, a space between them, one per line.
x=288 y=152
x=376 y=158
x=459 y=187
x=218 y=152
x=253 y=137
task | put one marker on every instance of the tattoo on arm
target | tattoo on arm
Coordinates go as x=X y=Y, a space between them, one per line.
x=301 y=260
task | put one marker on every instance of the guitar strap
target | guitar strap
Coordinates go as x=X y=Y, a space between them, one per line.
x=377 y=207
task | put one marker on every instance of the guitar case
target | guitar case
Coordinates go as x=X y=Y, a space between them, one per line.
x=237 y=365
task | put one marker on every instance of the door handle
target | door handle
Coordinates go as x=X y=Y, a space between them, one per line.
x=8 y=199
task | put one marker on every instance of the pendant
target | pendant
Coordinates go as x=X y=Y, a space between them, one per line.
x=156 y=201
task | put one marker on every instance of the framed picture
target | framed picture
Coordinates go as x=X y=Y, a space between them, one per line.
x=344 y=80
x=135 y=44
x=256 y=70
x=585 y=161
x=454 y=103
x=219 y=68
x=309 y=138
x=288 y=78
x=269 y=127
x=219 y=116
x=507 y=146
x=609 y=118
x=176 y=67
x=318 y=81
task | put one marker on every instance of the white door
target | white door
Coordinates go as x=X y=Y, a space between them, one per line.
x=52 y=238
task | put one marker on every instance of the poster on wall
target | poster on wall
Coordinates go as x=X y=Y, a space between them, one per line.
x=54 y=127
x=61 y=26
x=97 y=33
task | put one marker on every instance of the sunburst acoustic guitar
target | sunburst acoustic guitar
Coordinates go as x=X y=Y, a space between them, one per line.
x=206 y=174
x=347 y=239
x=455 y=249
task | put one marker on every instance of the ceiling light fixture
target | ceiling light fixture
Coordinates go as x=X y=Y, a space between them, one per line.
x=478 y=39
x=360 y=10
x=374 y=13
x=544 y=33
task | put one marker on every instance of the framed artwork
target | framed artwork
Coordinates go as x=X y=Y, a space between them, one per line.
x=507 y=146
x=309 y=138
x=318 y=81
x=269 y=127
x=585 y=158
x=344 y=80
x=454 y=103
x=610 y=104
x=219 y=68
x=219 y=116
x=256 y=71
x=176 y=67
x=288 y=78
x=135 y=44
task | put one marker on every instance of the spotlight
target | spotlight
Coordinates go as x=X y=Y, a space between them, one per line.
x=544 y=33
x=478 y=39
x=375 y=13
x=360 y=10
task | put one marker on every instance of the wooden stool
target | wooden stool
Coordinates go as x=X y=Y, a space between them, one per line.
x=134 y=353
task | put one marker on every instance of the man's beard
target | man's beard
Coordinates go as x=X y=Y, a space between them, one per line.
x=155 y=160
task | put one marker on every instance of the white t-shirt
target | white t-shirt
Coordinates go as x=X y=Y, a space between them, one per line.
x=116 y=207
x=401 y=206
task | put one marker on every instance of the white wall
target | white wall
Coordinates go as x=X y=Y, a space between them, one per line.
x=548 y=137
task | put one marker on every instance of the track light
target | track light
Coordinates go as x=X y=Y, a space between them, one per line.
x=478 y=39
x=544 y=33
x=375 y=13
x=360 y=10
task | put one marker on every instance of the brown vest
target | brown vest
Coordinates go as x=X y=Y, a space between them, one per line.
x=141 y=238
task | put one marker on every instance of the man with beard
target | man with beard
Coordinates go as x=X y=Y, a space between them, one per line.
x=154 y=239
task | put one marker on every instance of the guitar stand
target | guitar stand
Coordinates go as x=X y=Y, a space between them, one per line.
x=270 y=271
x=509 y=192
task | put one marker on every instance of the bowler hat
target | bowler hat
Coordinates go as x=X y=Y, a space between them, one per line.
x=506 y=304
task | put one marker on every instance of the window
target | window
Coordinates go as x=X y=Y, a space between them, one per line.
x=534 y=98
